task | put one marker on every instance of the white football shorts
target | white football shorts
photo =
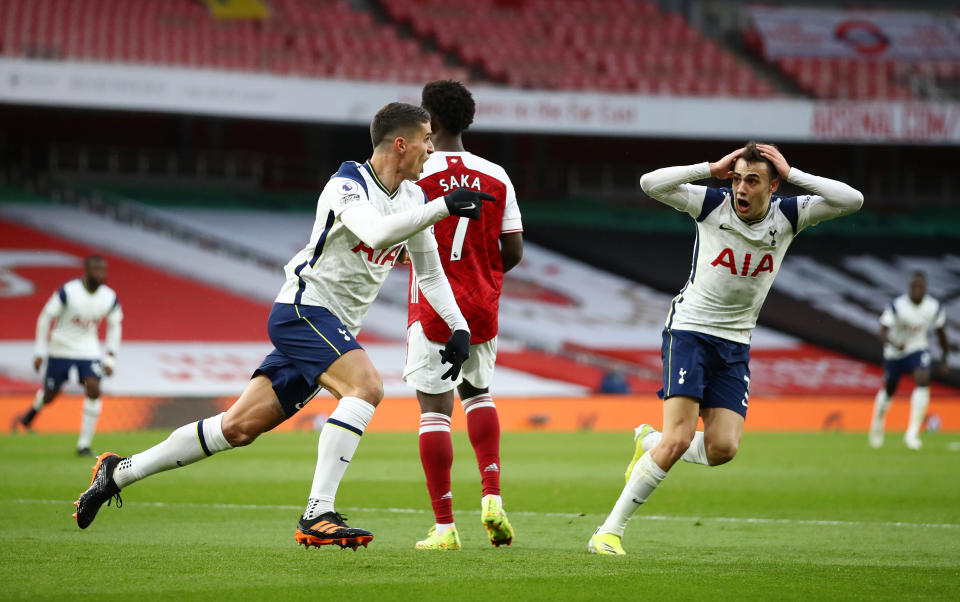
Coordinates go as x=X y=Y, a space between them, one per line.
x=423 y=369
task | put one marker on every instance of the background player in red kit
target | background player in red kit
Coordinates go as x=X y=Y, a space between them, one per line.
x=475 y=256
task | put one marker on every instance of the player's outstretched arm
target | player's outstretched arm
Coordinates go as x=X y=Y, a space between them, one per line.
x=670 y=185
x=436 y=288
x=380 y=231
x=833 y=198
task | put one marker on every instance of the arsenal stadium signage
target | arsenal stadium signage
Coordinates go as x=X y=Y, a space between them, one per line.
x=247 y=95
x=789 y=32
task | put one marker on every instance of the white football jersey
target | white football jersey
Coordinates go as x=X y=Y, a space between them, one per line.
x=78 y=313
x=735 y=263
x=909 y=323
x=337 y=270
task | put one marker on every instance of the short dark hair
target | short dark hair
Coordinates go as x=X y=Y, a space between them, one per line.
x=918 y=274
x=751 y=154
x=394 y=117
x=450 y=103
x=90 y=259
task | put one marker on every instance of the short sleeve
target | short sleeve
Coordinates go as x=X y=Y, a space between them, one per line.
x=511 y=212
x=941 y=320
x=889 y=316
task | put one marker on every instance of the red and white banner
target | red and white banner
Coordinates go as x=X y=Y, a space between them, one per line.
x=258 y=96
x=855 y=34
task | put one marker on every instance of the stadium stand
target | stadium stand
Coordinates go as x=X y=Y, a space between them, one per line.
x=326 y=38
x=620 y=46
x=591 y=45
x=864 y=64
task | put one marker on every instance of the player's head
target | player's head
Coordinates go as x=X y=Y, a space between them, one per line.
x=918 y=286
x=450 y=105
x=95 y=270
x=403 y=130
x=755 y=179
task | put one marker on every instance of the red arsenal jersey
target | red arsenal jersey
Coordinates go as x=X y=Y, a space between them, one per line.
x=469 y=249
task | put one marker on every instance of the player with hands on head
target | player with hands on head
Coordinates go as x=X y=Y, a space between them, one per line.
x=475 y=255
x=366 y=214
x=742 y=236
x=78 y=307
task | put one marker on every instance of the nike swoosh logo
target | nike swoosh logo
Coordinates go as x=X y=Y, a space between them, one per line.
x=470 y=206
x=179 y=463
x=744 y=403
x=342 y=459
x=727 y=228
x=636 y=501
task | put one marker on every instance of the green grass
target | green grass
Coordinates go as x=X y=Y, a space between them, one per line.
x=223 y=528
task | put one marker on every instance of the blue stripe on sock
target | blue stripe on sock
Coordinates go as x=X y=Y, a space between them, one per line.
x=203 y=442
x=344 y=425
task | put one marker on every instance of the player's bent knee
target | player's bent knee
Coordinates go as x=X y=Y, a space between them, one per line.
x=239 y=434
x=370 y=389
x=674 y=447
x=721 y=452
x=92 y=389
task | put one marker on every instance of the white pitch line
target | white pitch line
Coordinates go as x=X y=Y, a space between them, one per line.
x=654 y=517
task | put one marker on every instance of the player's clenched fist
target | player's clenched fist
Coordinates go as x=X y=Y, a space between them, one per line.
x=464 y=202
x=455 y=352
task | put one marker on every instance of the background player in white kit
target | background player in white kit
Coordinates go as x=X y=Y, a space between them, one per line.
x=365 y=215
x=78 y=307
x=904 y=328
x=742 y=235
x=475 y=255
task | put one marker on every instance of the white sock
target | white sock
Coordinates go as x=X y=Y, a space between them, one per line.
x=38 y=400
x=919 y=400
x=695 y=454
x=335 y=448
x=88 y=423
x=646 y=476
x=442 y=527
x=186 y=445
x=880 y=406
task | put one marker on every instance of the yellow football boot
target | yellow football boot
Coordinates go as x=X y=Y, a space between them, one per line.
x=450 y=540
x=606 y=543
x=495 y=521
x=638 y=435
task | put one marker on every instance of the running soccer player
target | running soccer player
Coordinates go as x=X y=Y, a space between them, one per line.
x=742 y=235
x=904 y=325
x=78 y=308
x=475 y=255
x=365 y=215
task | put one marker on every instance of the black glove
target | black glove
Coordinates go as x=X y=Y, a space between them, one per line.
x=464 y=202
x=456 y=352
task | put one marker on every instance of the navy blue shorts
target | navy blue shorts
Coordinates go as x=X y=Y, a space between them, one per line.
x=714 y=370
x=894 y=369
x=58 y=371
x=306 y=340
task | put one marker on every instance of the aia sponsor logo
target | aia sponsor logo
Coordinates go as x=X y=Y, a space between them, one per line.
x=86 y=324
x=726 y=259
x=381 y=257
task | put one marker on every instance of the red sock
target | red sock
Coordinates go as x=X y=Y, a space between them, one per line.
x=436 y=455
x=483 y=426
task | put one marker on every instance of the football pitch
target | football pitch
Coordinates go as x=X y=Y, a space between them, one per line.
x=794 y=516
